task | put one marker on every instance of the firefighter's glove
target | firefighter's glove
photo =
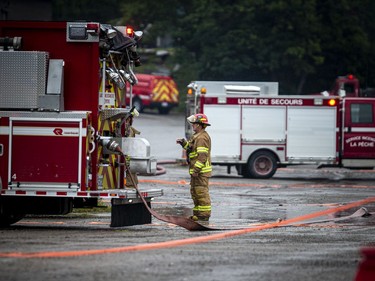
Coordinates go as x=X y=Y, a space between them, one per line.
x=182 y=142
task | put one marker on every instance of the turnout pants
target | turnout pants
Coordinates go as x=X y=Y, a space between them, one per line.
x=201 y=197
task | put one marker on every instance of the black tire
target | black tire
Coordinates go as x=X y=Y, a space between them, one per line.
x=7 y=220
x=261 y=165
x=164 y=110
x=138 y=104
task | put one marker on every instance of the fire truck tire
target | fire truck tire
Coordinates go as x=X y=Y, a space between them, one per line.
x=7 y=219
x=138 y=104
x=164 y=110
x=261 y=165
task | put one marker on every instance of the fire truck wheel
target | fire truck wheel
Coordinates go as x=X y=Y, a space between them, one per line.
x=164 y=110
x=7 y=220
x=261 y=165
x=138 y=104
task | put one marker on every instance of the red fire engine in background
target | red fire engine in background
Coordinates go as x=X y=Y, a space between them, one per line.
x=154 y=91
x=62 y=120
x=348 y=86
x=256 y=130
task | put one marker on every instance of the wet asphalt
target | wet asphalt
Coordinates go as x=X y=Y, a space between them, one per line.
x=318 y=240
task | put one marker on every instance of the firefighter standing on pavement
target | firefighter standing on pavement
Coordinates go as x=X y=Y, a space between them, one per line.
x=198 y=150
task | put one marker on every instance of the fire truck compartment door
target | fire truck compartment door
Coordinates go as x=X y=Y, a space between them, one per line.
x=45 y=151
x=225 y=137
x=359 y=130
x=311 y=133
x=264 y=124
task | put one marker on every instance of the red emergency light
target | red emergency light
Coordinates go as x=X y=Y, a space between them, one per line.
x=93 y=27
x=129 y=31
x=350 y=76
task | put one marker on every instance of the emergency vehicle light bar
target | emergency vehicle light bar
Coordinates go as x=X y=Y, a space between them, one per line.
x=239 y=89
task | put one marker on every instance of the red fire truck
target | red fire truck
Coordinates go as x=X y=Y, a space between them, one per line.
x=62 y=120
x=258 y=131
x=154 y=91
x=348 y=86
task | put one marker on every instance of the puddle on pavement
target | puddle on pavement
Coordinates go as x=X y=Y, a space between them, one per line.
x=352 y=216
x=175 y=211
x=246 y=215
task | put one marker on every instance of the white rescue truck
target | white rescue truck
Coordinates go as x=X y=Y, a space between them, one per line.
x=257 y=131
x=62 y=121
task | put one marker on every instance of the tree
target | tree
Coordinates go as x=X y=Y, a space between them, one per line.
x=346 y=38
x=303 y=45
x=91 y=10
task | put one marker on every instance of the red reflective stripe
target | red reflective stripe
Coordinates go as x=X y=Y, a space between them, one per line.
x=61 y=193
x=20 y=192
x=41 y=192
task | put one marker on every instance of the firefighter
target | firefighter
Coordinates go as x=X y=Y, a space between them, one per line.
x=198 y=150
x=131 y=132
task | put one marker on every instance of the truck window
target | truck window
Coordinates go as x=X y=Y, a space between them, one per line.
x=361 y=113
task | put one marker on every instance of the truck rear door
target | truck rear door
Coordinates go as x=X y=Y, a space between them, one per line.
x=358 y=141
x=226 y=137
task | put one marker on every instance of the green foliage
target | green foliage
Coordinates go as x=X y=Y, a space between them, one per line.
x=303 y=45
x=91 y=10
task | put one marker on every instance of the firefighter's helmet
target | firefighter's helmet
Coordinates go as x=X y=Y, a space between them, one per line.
x=199 y=118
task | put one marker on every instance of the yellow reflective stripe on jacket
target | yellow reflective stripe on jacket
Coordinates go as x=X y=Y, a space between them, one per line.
x=204 y=168
x=202 y=208
x=193 y=154
x=202 y=149
x=199 y=164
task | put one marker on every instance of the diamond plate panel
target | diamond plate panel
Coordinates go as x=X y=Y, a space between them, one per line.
x=23 y=77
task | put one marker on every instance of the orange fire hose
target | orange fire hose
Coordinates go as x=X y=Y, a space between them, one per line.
x=184 y=222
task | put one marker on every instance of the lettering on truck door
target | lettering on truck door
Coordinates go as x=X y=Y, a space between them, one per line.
x=359 y=129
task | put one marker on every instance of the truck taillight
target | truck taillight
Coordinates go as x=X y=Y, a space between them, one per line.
x=93 y=28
